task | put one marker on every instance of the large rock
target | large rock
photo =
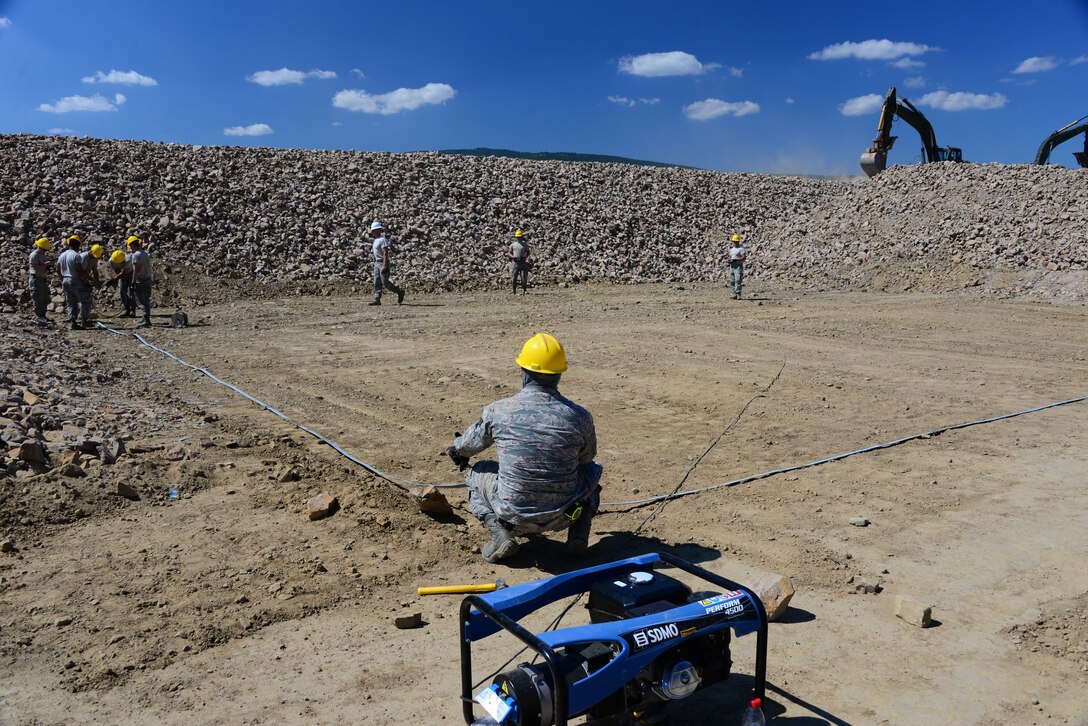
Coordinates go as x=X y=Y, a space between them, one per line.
x=913 y=612
x=32 y=452
x=321 y=506
x=775 y=591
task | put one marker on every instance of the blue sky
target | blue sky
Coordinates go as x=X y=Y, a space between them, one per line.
x=789 y=87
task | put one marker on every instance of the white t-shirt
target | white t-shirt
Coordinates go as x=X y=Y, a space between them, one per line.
x=737 y=254
x=380 y=244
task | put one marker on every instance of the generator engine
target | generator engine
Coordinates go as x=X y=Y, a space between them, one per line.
x=650 y=641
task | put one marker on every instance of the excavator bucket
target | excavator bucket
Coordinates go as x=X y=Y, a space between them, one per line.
x=1082 y=158
x=873 y=161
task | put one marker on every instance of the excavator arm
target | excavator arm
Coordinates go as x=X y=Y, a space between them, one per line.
x=875 y=158
x=914 y=117
x=1060 y=137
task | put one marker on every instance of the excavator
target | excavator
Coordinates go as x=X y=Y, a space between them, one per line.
x=1060 y=137
x=875 y=159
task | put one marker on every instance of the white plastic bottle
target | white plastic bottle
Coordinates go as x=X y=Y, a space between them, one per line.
x=753 y=715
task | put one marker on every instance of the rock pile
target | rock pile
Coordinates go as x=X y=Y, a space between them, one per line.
x=67 y=423
x=297 y=217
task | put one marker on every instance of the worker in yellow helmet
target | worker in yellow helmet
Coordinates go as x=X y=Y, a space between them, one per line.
x=545 y=479
x=76 y=282
x=519 y=252
x=121 y=266
x=142 y=277
x=737 y=255
x=39 y=279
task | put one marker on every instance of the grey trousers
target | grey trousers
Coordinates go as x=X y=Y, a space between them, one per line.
x=77 y=299
x=128 y=300
x=520 y=271
x=483 y=483
x=736 y=275
x=142 y=292
x=39 y=293
x=381 y=280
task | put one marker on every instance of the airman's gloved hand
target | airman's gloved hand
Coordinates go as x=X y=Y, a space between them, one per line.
x=460 y=461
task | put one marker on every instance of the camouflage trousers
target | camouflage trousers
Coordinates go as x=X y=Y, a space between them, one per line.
x=483 y=484
x=39 y=293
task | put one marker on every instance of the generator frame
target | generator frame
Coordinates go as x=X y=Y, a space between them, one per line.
x=484 y=615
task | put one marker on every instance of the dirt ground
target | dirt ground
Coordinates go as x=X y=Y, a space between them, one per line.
x=228 y=606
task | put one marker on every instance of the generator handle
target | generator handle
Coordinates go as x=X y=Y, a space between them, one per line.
x=559 y=682
x=759 y=689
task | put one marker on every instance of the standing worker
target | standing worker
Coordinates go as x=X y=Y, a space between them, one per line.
x=381 y=265
x=74 y=281
x=90 y=260
x=122 y=278
x=545 y=479
x=737 y=256
x=142 y=277
x=519 y=252
x=39 y=279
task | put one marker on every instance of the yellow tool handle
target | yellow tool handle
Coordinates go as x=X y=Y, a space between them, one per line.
x=455 y=589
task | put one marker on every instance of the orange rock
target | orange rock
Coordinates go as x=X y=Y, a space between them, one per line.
x=321 y=506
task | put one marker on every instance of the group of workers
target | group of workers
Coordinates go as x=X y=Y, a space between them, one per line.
x=519 y=253
x=79 y=274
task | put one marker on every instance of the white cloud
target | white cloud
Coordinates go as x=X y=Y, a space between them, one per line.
x=907 y=64
x=962 y=101
x=119 y=98
x=1037 y=64
x=5 y=22
x=337 y=123
x=870 y=50
x=286 y=76
x=715 y=107
x=914 y=81
x=1078 y=60
x=96 y=102
x=789 y=99
x=735 y=72
x=62 y=132
x=629 y=102
x=122 y=78
x=251 y=130
x=402 y=99
x=673 y=63
x=357 y=73
x=862 y=105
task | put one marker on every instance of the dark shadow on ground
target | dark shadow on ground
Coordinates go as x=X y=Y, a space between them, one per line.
x=796 y=615
x=725 y=702
x=548 y=554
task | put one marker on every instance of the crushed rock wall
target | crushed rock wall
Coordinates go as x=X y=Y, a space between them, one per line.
x=298 y=218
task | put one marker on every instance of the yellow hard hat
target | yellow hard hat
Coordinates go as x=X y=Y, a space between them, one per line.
x=74 y=238
x=43 y=244
x=130 y=240
x=519 y=234
x=97 y=251
x=736 y=238
x=543 y=354
x=118 y=257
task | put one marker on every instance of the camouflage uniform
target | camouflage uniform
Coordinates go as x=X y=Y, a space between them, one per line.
x=546 y=446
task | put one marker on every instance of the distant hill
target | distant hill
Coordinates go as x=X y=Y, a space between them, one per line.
x=558 y=156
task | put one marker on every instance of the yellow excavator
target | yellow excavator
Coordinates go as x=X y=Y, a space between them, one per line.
x=1060 y=137
x=875 y=159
